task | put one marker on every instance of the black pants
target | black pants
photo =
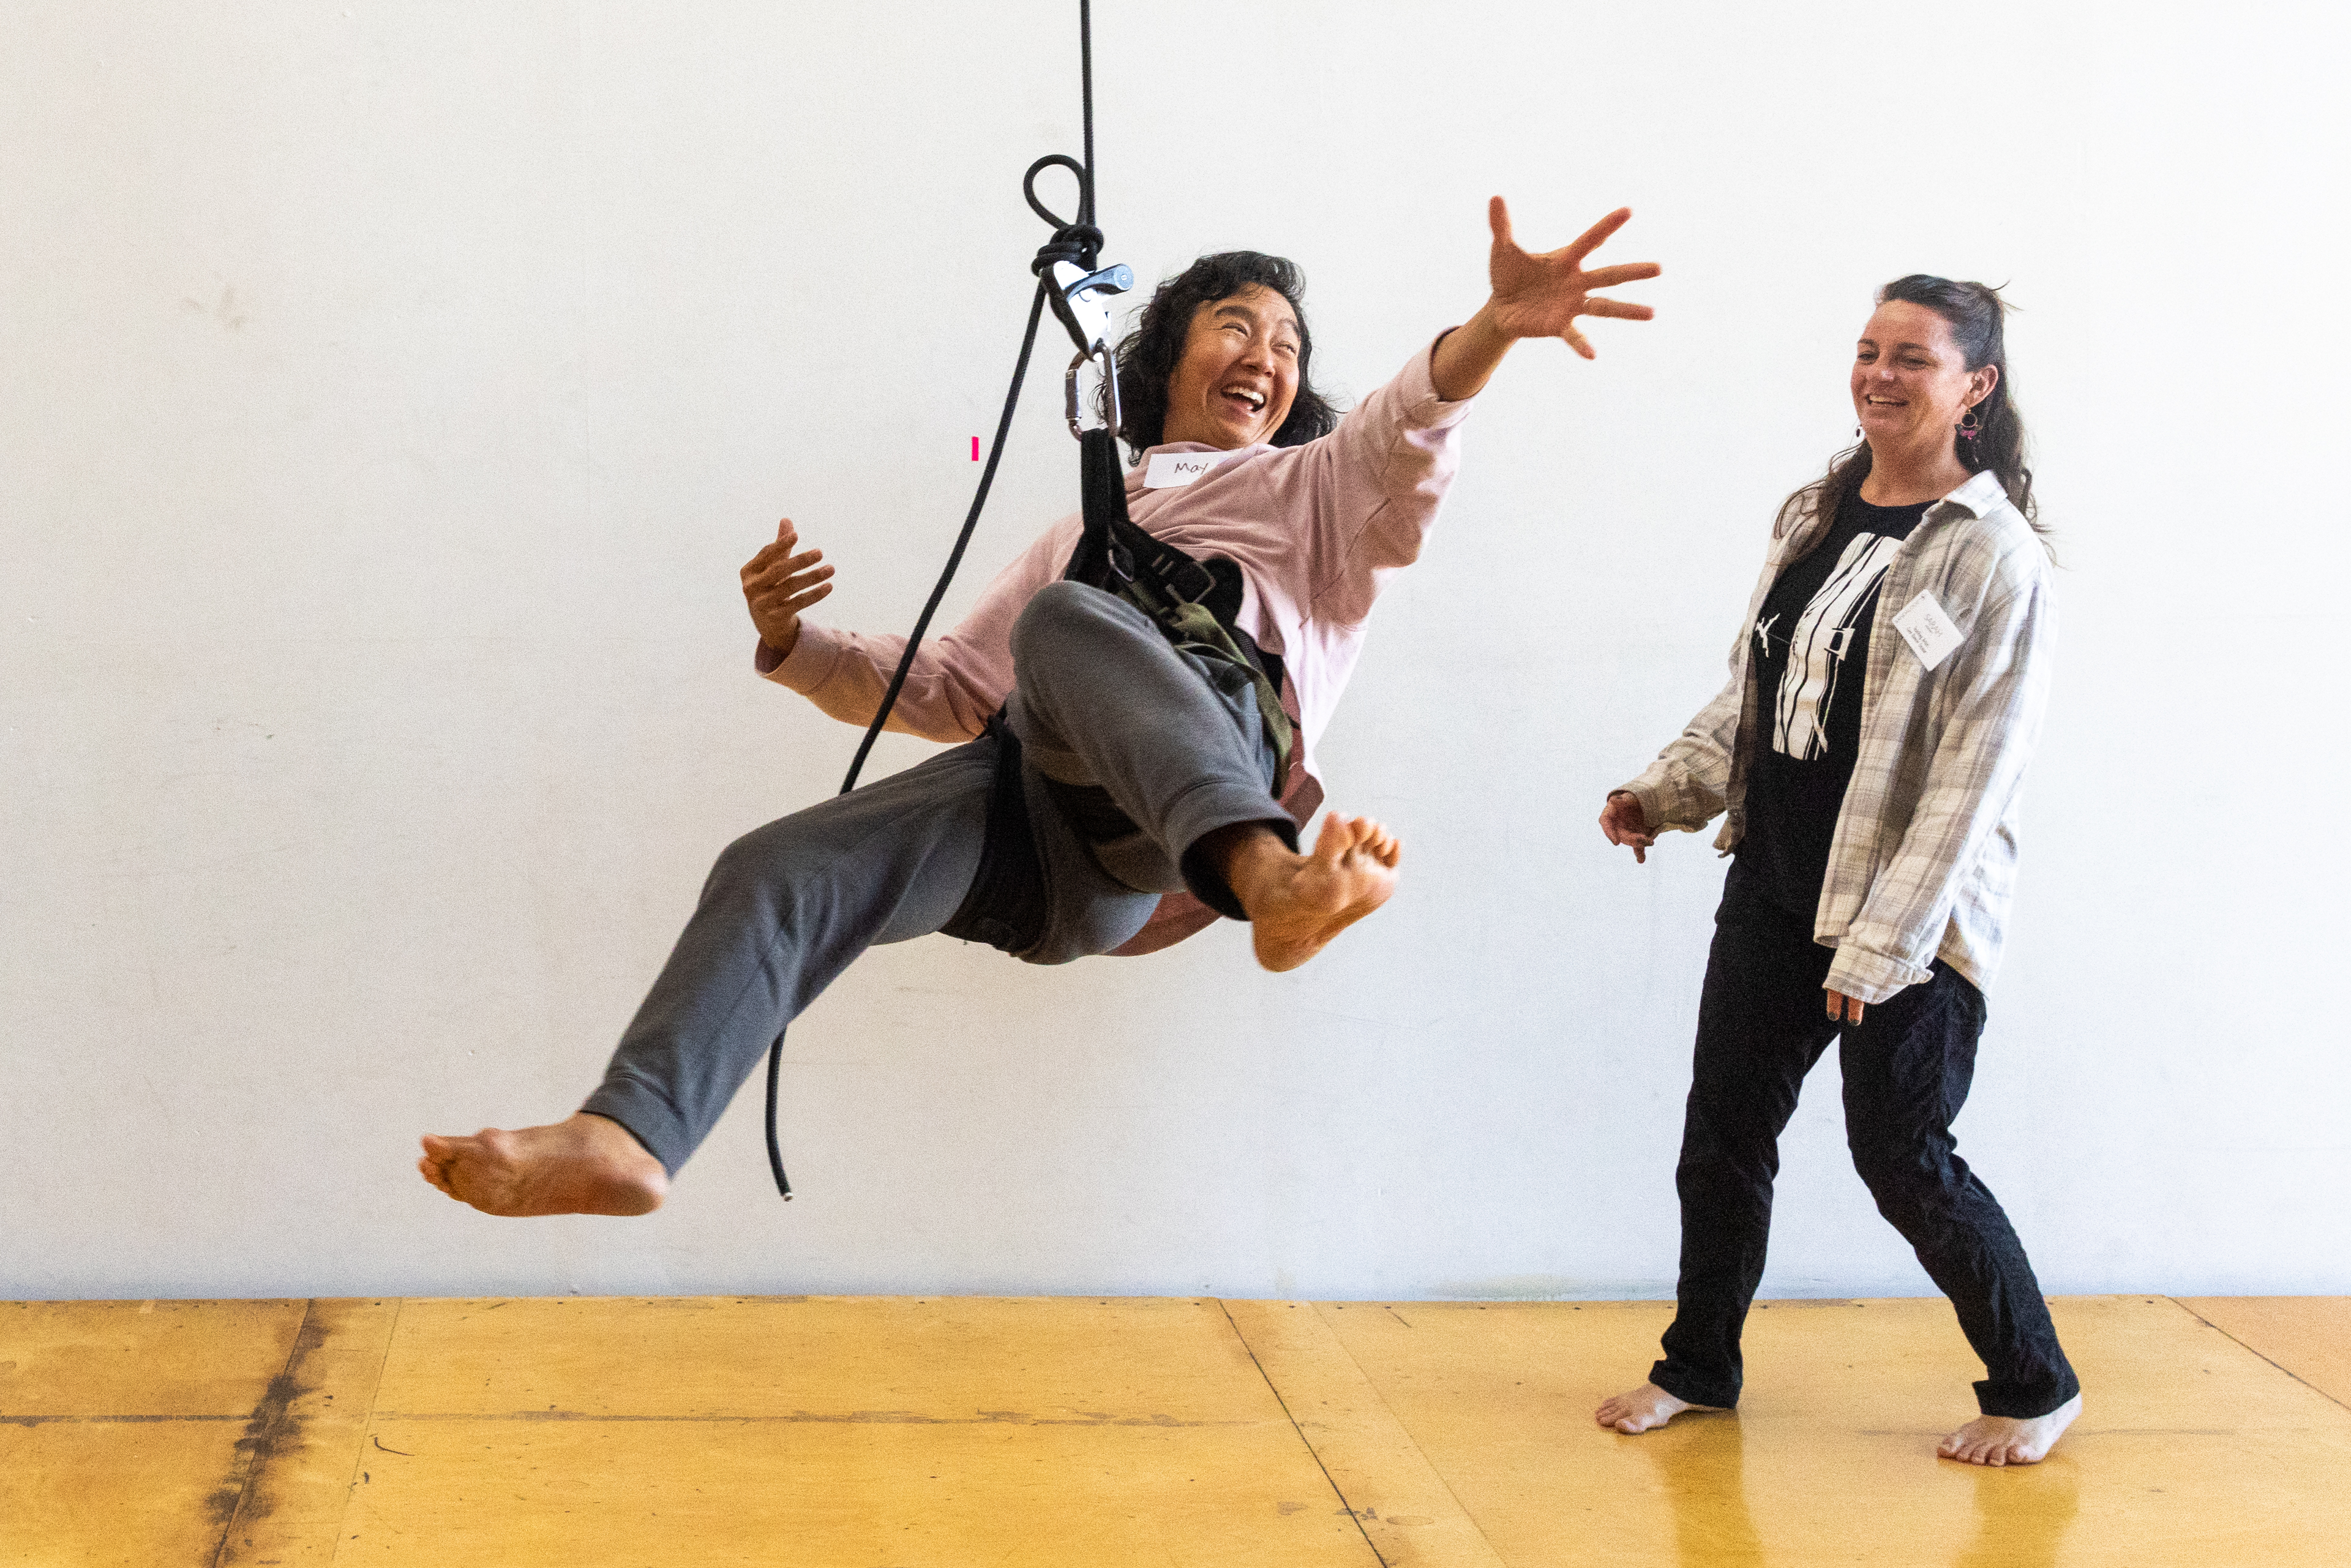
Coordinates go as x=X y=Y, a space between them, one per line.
x=1762 y=1023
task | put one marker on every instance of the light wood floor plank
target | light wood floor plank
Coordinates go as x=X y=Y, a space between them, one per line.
x=1037 y=1434
x=850 y=1431
x=126 y=1426
x=2192 y=1451
x=306 y=1455
x=2310 y=1336
x=1407 y=1510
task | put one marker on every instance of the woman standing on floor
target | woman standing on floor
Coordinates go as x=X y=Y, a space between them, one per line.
x=1885 y=693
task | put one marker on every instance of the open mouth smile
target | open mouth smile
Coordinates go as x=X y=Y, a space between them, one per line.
x=1244 y=398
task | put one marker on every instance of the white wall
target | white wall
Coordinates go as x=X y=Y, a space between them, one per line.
x=392 y=390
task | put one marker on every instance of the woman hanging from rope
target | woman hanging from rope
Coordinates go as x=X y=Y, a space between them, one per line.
x=1148 y=800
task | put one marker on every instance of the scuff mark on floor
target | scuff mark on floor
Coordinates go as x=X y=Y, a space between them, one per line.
x=243 y=1498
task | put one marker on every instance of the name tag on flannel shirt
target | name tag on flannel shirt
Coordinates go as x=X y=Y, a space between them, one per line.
x=1927 y=629
x=1173 y=470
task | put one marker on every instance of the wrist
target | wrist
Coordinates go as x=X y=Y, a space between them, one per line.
x=1466 y=356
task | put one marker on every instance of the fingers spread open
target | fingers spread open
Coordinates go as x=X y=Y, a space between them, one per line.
x=1631 y=272
x=1618 y=308
x=1498 y=216
x=1594 y=237
x=1576 y=341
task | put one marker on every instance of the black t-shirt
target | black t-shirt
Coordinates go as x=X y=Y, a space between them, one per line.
x=1811 y=644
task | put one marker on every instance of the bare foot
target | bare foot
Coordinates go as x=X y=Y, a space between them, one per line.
x=1647 y=1406
x=587 y=1164
x=2004 y=1440
x=1296 y=903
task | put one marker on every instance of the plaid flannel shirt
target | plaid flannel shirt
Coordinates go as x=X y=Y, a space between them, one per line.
x=1923 y=861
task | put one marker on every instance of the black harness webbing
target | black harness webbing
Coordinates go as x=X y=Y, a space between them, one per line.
x=1194 y=604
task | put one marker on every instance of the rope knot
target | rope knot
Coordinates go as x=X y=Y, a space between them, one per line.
x=1078 y=243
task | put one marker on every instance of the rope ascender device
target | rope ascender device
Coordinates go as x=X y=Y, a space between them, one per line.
x=1194 y=603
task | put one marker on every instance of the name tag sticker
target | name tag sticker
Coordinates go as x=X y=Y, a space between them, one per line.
x=1173 y=470
x=1927 y=629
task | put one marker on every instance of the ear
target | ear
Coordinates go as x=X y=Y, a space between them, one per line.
x=1981 y=382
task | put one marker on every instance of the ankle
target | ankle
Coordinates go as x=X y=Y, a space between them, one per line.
x=1243 y=857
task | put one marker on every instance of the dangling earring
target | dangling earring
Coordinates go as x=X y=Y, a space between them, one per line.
x=1970 y=426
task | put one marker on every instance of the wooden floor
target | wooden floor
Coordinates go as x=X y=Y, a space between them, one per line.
x=962 y=1432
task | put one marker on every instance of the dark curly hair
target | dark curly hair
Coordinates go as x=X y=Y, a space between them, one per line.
x=1146 y=360
x=1978 y=318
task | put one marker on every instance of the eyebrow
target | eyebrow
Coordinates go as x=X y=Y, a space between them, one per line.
x=1922 y=347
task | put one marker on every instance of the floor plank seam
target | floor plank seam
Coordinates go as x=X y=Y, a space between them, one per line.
x=1306 y=1442
x=2233 y=1339
x=256 y=1447
x=367 y=1425
x=1377 y=1393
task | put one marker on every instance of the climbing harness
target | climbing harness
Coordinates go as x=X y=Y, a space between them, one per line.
x=1195 y=604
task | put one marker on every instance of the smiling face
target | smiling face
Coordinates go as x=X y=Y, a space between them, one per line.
x=1238 y=373
x=1911 y=382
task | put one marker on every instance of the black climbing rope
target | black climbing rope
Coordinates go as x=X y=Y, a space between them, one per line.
x=1077 y=244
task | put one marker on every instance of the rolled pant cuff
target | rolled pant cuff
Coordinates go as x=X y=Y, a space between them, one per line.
x=648 y=1118
x=1204 y=812
x=2025 y=1401
x=1691 y=1390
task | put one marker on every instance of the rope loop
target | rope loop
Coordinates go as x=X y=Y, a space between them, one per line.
x=1075 y=240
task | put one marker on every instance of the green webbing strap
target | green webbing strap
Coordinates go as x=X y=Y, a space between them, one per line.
x=1192 y=628
x=1115 y=554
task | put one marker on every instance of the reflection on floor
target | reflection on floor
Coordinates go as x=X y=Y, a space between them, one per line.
x=956 y=1432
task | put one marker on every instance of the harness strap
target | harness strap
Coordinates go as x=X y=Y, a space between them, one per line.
x=1005 y=906
x=1177 y=592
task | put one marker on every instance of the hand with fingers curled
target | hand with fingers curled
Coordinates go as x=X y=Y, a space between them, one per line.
x=1624 y=822
x=778 y=584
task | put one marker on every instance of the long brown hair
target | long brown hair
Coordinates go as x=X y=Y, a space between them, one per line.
x=1978 y=318
x=1146 y=360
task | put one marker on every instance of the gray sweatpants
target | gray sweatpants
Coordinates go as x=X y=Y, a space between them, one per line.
x=1099 y=698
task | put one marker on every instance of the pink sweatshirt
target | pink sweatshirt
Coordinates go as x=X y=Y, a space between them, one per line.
x=1316 y=530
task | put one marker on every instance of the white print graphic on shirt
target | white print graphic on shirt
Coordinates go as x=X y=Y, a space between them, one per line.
x=1816 y=648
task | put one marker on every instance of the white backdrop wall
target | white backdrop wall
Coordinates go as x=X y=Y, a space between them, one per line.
x=391 y=391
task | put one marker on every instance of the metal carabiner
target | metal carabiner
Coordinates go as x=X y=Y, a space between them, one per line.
x=1075 y=405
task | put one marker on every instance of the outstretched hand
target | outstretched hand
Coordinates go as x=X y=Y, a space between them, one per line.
x=1540 y=294
x=1534 y=296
